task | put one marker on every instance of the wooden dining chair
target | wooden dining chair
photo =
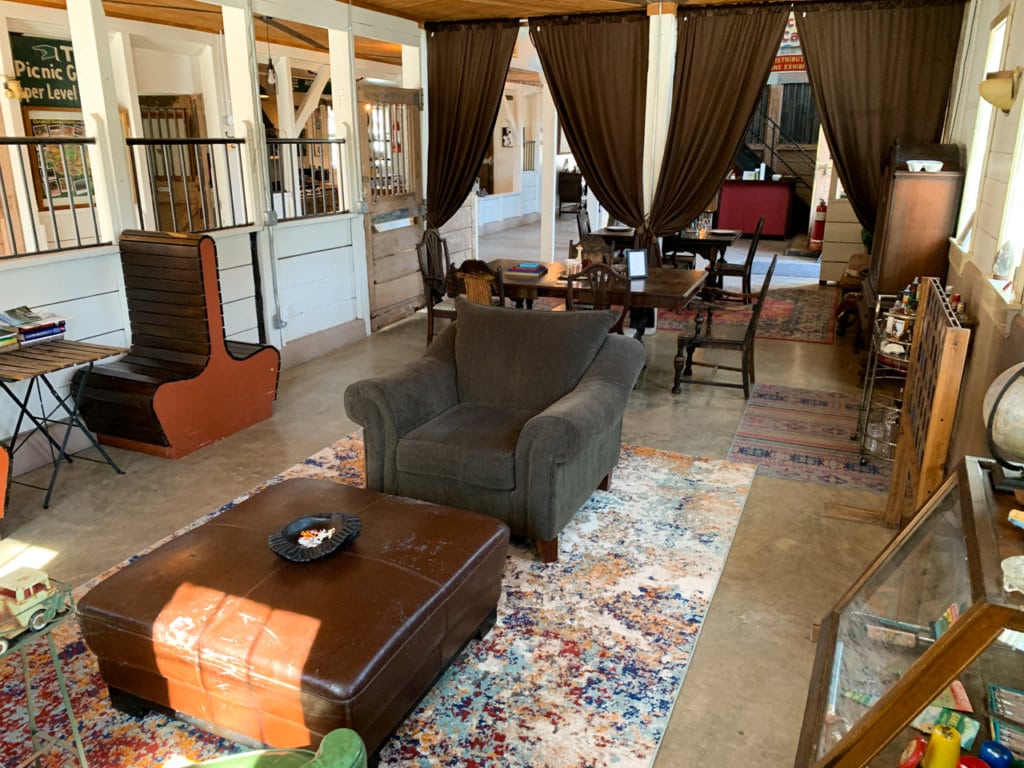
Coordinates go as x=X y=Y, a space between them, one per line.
x=435 y=264
x=704 y=333
x=582 y=223
x=593 y=288
x=478 y=282
x=722 y=269
x=674 y=252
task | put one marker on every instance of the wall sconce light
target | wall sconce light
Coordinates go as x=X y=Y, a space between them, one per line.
x=13 y=89
x=1000 y=88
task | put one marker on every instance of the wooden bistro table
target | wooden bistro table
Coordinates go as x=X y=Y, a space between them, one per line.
x=662 y=288
x=34 y=364
x=712 y=246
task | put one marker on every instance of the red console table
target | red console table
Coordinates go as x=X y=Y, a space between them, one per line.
x=742 y=203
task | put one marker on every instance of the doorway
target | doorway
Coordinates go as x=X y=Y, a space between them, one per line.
x=390 y=136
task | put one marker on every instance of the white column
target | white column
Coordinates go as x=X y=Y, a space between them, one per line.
x=660 y=76
x=110 y=173
x=346 y=111
x=549 y=147
x=246 y=115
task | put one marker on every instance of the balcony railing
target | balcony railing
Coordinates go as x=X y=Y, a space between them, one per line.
x=305 y=177
x=189 y=185
x=46 y=195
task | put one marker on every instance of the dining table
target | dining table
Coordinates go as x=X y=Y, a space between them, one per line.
x=711 y=245
x=670 y=289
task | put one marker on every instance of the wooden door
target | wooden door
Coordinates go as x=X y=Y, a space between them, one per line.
x=390 y=139
x=179 y=180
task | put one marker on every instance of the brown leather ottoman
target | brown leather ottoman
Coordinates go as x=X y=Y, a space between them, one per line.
x=215 y=626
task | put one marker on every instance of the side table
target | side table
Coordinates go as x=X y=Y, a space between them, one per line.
x=33 y=365
x=42 y=741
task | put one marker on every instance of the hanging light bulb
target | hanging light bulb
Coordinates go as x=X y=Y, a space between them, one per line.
x=271 y=74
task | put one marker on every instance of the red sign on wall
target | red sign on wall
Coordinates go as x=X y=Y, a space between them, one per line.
x=789 y=63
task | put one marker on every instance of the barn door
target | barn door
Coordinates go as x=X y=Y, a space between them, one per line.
x=389 y=135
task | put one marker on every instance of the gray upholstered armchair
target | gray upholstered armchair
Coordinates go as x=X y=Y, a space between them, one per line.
x=512 y=413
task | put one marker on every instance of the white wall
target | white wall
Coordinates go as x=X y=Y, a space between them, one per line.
x=165 y=72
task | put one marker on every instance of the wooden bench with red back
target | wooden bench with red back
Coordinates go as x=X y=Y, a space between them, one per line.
x=181 y=386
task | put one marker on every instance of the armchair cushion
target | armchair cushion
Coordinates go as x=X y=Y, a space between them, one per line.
x=532 y=344
x=471 y=442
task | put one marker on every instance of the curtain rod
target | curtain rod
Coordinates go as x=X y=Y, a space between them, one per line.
x=792 y=4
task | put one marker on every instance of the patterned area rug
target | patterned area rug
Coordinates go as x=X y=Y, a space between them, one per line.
x=803 y=434
x=582 y=668
x=789 y=314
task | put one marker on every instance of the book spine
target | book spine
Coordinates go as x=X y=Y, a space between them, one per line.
x=41 y=333
x=42 y=339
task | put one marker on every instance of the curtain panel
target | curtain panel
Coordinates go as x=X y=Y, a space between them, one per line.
x=879 y=72
x=467 y=64
x=723 y=58
x=596 y=70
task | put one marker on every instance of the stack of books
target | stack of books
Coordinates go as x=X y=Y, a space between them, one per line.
x=30 y=327
x=527 y=268
x=8 y=338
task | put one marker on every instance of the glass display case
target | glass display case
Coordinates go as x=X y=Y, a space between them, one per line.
x=929 y=634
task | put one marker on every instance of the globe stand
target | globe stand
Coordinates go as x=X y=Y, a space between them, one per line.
x=1006 y=476
x=1004 y=479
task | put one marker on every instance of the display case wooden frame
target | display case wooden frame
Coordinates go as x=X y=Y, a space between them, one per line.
x=975 y=566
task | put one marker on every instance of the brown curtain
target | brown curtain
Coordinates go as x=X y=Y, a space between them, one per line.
x=596 y=69
x=879 y=72
x=723 y=57
x=467 y=63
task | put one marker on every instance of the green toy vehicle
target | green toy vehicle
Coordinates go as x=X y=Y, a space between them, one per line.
x=29 y=600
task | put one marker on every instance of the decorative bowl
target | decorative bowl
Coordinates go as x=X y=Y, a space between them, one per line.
x=315 y=536
x=928 y=166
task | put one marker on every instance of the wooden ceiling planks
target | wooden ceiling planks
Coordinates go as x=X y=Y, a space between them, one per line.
x=450 y=10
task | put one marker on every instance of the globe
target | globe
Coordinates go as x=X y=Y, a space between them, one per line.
x=1004 y=416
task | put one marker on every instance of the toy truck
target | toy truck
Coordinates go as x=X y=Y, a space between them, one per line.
x=29 y=600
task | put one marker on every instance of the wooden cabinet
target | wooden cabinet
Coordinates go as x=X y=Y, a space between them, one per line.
x=933 y=610
x=572 y=192
x=742 y=203
x=916 y=215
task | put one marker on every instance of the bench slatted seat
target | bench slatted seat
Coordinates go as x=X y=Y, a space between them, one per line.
x=182 y=385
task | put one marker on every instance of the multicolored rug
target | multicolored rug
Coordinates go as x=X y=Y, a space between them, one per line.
x=582 y=668
x=789 y=314
x=803 y=434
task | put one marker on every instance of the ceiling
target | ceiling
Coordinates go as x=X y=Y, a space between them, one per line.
x=205 y=17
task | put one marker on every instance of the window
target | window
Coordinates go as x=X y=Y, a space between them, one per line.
x=978 y=152
x=1013 y=223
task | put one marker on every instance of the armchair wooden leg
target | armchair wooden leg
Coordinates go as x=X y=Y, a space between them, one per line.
x=605 y=484
x=548 y=550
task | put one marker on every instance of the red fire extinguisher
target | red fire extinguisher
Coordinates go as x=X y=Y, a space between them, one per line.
x=818 y=230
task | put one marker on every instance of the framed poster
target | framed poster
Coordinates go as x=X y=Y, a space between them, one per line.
x=59 y=172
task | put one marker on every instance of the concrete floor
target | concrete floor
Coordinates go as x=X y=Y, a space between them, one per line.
x=743 y=698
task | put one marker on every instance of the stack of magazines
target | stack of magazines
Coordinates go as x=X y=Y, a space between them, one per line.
x=28 y=327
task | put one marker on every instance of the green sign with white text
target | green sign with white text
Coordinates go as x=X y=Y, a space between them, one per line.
x=45 y=69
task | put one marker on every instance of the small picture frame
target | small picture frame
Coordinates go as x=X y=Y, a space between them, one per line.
x=636 y=263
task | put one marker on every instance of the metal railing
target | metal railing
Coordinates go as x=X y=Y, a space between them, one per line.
x=767 y=139
x=189 y=185
x=305 y=177
x=529 y=155
x=46 y=195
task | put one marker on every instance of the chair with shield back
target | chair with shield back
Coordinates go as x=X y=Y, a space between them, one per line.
x=731 y=337
x=742 y=270
x=595 y=287
x=478 y=282
x=435 y=264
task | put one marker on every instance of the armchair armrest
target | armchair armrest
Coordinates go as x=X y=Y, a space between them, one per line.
x=598 y=400
x=392 y=405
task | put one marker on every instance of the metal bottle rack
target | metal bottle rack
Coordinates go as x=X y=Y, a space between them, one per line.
x=888 y=362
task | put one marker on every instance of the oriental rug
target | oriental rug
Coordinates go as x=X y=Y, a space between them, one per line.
x=789 y=314
x=582 y=668
x=803 y=434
